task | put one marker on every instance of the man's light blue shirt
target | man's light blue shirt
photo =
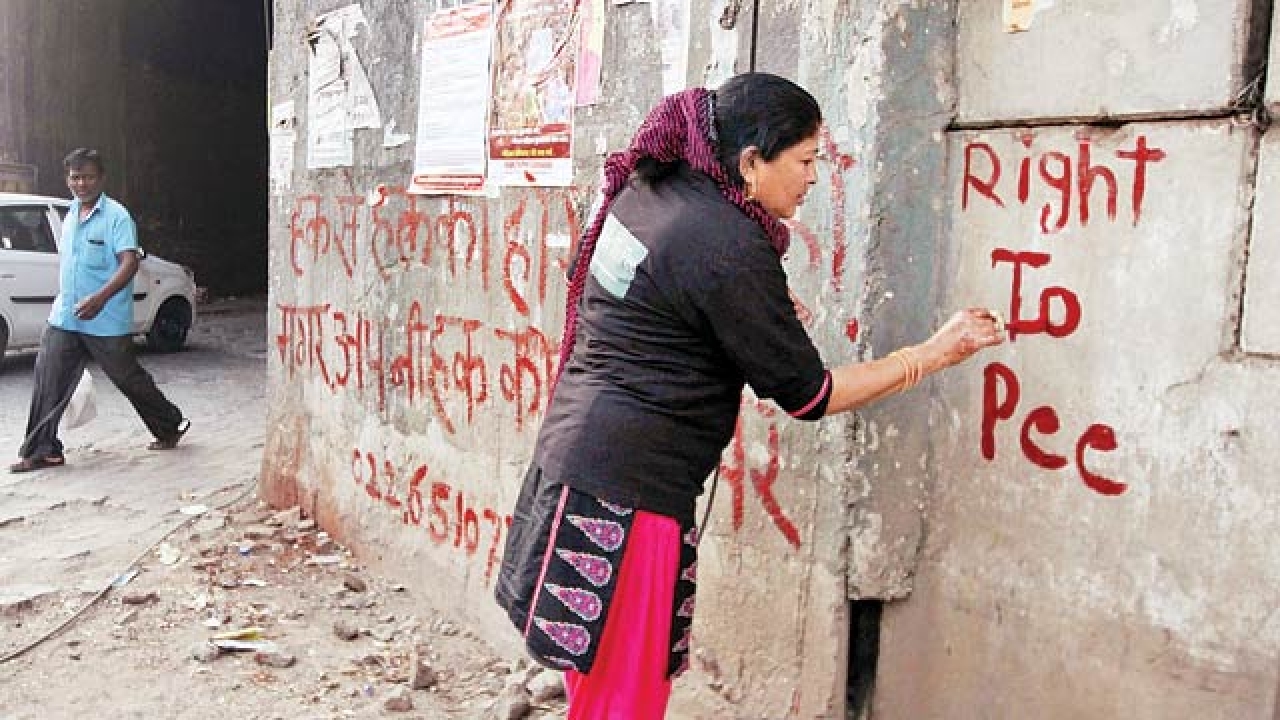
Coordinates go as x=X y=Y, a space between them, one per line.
x=88 y=260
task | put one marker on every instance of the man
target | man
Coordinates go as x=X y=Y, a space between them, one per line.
x=90 y=319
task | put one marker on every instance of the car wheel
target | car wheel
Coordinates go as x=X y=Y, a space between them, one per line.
x=168 y=332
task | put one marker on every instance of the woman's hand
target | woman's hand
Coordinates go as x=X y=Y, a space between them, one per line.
x=963 y=335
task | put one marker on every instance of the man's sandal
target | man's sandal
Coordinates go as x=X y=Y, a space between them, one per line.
x=31 y=464
x=170 y=443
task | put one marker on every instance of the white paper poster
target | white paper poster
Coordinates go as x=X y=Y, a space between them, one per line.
x=282 y=136
x=339 y=95
x=453 y=102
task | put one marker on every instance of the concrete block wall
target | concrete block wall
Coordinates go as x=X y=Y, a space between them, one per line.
x=414 y=337
x=1101 y=485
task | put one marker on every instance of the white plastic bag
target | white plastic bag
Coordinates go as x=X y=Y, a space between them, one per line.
x=82 y=408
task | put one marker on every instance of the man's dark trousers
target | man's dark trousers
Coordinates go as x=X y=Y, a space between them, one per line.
x=62 y=358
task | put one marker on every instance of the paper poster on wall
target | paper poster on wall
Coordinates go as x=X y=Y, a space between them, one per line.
x=282 y=135
x=671 y=20
x=590 y=51
x=535 y=70
x=453 y=101
x=1017 y=15
x=339 y=95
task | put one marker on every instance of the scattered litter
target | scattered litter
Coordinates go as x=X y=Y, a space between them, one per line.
x=245 y=645
x=194 y=510
x=139 y=597
x=324 y=559
x=249 y=633
x=253 y=582
x=168 y=554
x=123 y=578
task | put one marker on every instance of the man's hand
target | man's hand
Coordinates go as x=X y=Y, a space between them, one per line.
x=89 y=307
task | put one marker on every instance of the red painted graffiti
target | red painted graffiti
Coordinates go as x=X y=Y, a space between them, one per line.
x=442 y=359
x=1067 y=182
x=451 y=520
x=735 y=470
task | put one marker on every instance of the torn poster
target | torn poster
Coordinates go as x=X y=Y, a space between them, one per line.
x=531 y=121
x=453 y=105
x=282 y=135
x=1017 y=15
x=339 y=95
x=671 y=21
x=590 y=51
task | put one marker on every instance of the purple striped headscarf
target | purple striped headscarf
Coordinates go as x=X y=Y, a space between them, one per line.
x=681 y=127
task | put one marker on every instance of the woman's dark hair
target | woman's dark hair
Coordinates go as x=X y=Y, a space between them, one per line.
x=764 y=110
x=767 y=111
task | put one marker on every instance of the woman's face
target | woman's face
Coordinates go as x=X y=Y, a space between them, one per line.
x=781 y=184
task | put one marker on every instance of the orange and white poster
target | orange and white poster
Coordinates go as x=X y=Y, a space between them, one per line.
x=534 y=93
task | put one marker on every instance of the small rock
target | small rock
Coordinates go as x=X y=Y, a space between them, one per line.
x=205 y=652
x=422 y=674
x=259 y=532
x=346 y=630
x=275 y=658
x=354 y=583
x=546 y=686
x=512 y=704
x=74 y=656
x=288 y=518
x=305 y=525
x=139 y=597
x=384 y=633
x=400 y=701
x=127 y=617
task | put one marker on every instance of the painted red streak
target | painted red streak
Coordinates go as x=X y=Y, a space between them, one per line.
x=452 y=521
x=851 y=331
x=841 y=163
x=1067 y=183
x=1043 y=421
x=734 y=470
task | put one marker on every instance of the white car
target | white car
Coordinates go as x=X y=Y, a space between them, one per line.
x=164 y=293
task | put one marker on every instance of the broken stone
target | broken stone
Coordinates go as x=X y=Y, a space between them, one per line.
x=354 y=583
x=205 y=652
x=275 y=658
x=139 y=597
x=287 y=518
x=422 y=675
x=384 y=633
x=546 y=686
x=400 y=701
x=346 y=630
x=259 y=532
x=512 y=704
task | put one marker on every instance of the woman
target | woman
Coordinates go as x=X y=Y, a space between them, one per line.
x=677 y=299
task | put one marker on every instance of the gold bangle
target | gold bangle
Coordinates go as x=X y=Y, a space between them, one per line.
x=917 y=368
x=905 y=384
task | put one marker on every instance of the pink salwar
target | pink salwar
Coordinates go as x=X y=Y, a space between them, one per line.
x=628 y=680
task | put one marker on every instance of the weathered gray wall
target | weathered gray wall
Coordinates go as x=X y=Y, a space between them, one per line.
x=1096 y=540
x=1099 y=558
x=354 y=420
x=172 y=94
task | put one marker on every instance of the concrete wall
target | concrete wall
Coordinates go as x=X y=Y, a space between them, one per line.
x=1100 y=496
x=408 y=383
x=1089 y=545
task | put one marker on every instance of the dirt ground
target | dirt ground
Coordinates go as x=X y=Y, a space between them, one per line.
x=234 y=610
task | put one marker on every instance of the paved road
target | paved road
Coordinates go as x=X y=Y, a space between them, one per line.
x=66 y=531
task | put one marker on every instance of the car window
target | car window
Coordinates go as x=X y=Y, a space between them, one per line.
x=26 y=228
